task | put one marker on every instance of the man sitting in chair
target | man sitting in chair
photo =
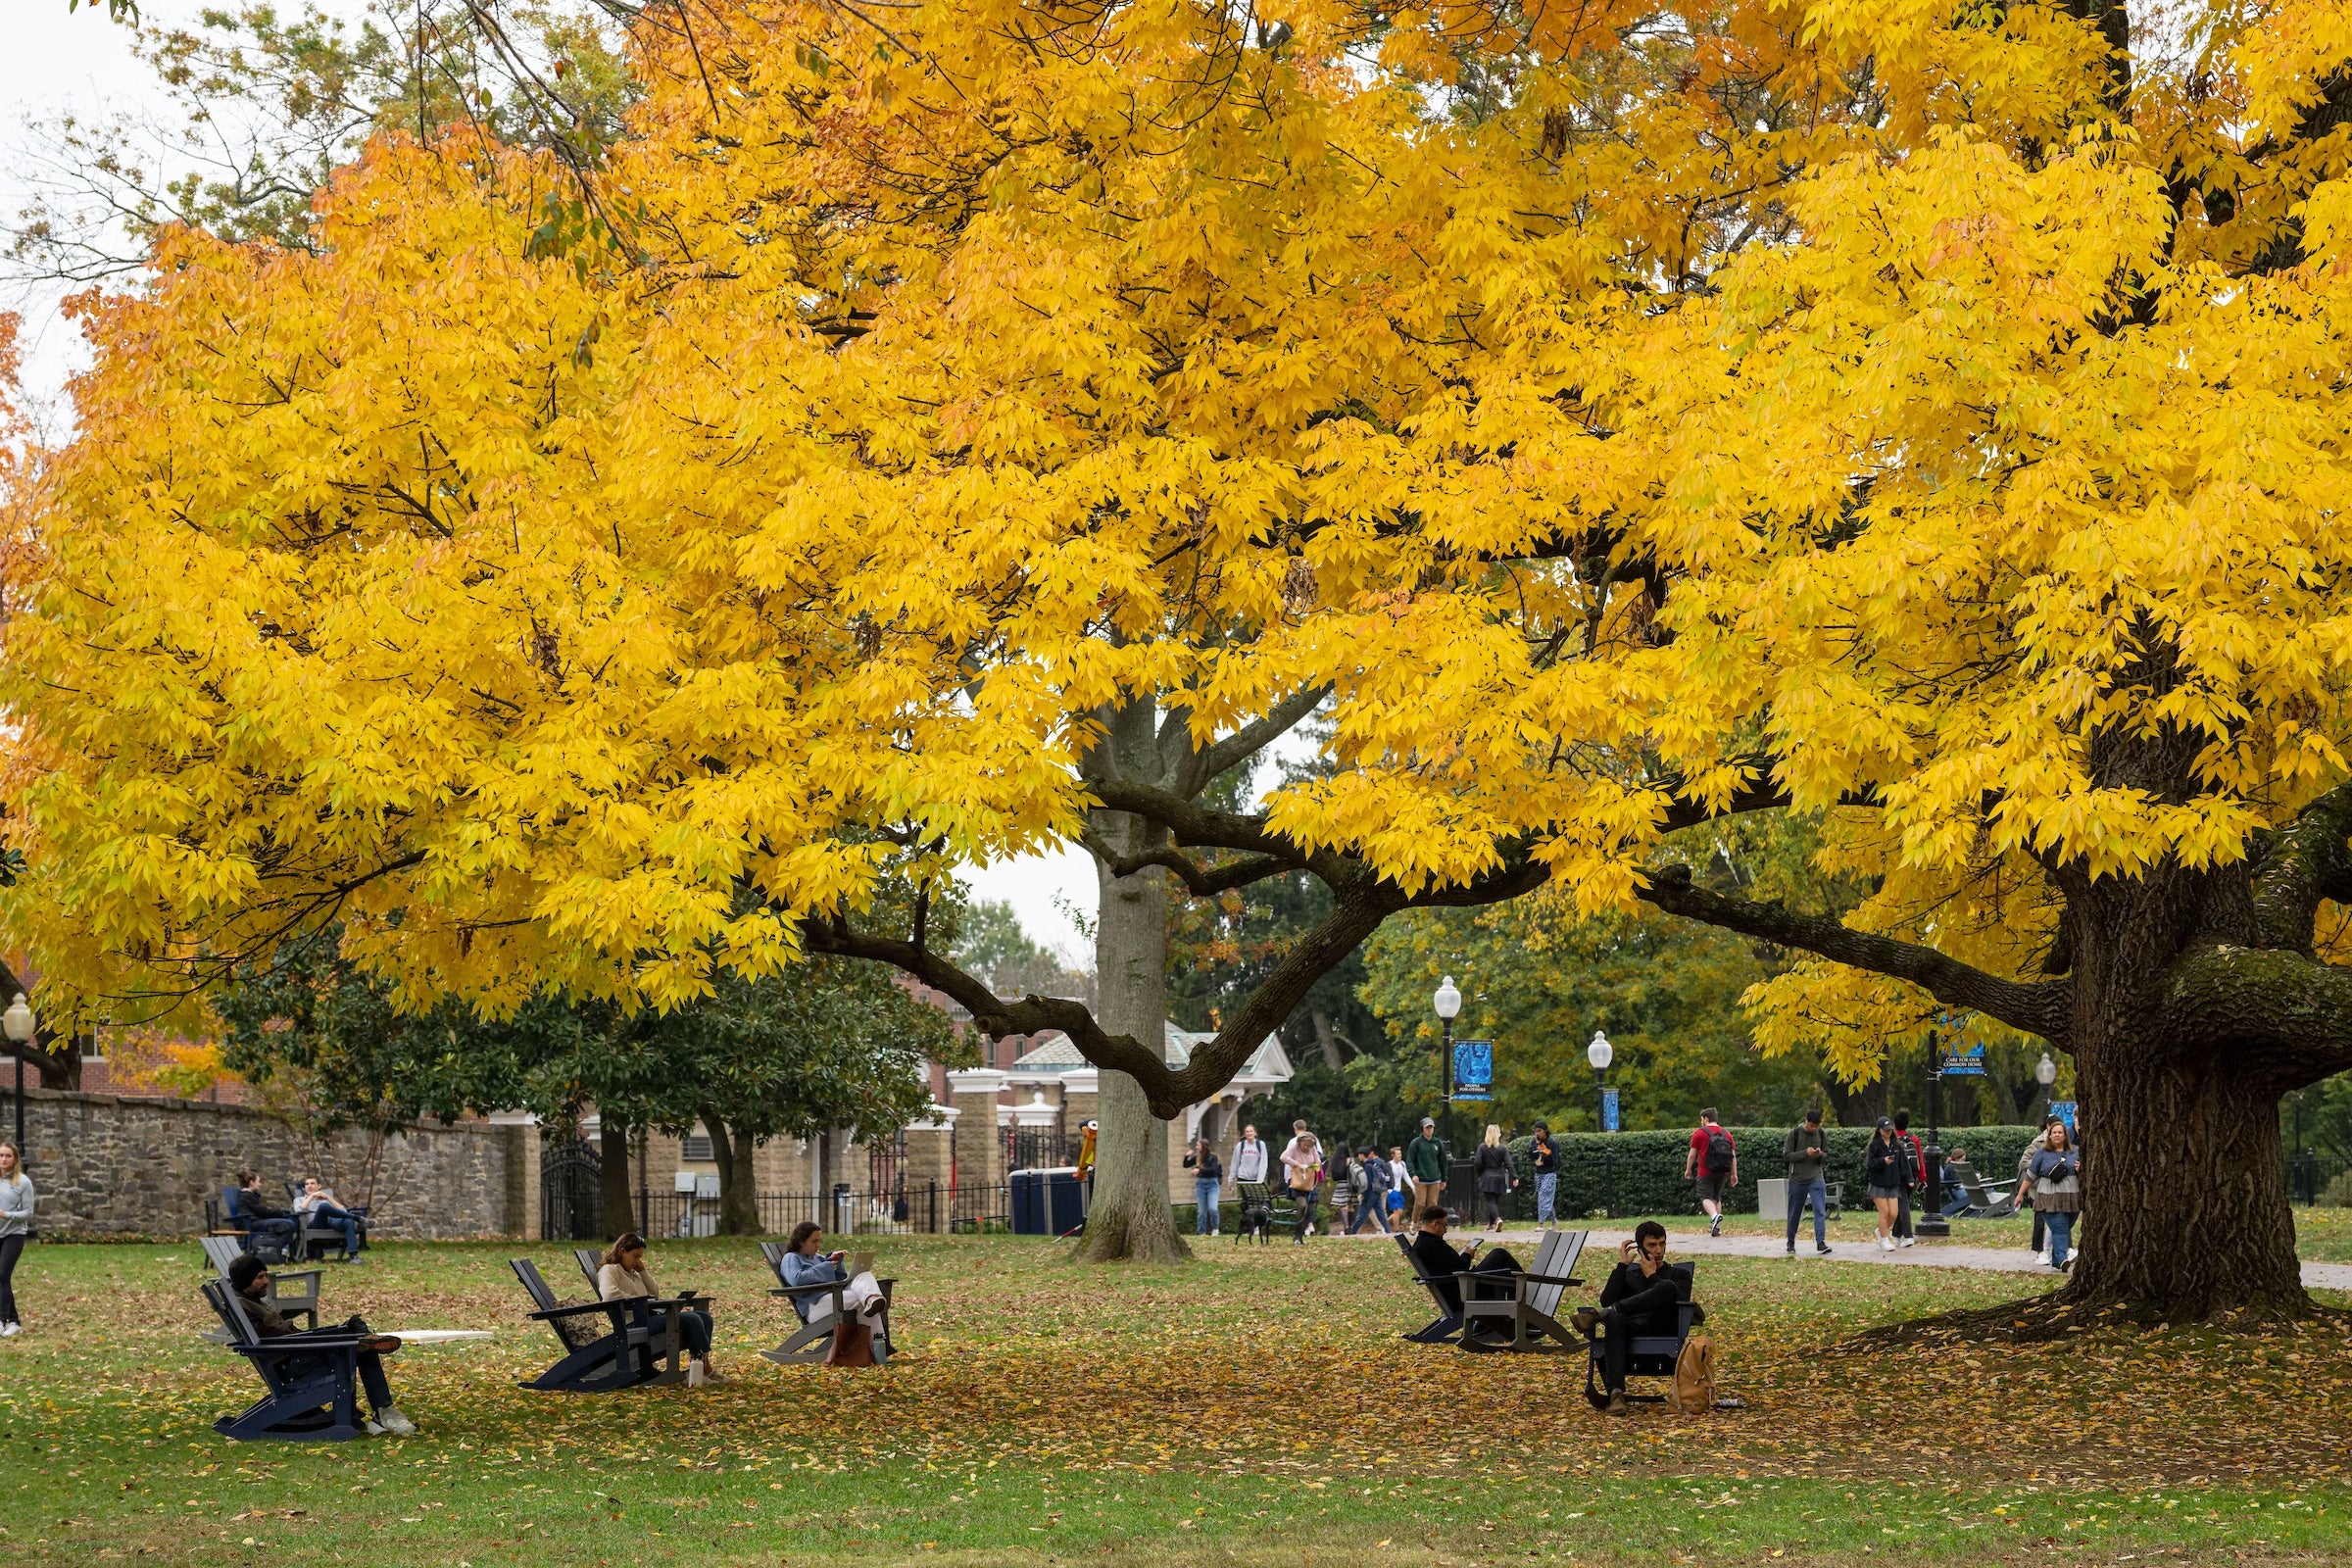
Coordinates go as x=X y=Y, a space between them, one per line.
x=1439 y=1259
x=1639 y=1301
x=249 y=1277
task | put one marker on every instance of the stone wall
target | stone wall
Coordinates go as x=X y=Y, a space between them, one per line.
x=105 y=1165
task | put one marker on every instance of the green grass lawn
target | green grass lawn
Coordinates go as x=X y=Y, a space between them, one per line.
x=1257 y=1402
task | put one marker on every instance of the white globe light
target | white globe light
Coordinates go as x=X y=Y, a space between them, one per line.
x=18 y=1021
x=2046 y=1071
x=1448 y=1001
x=1600 y=1053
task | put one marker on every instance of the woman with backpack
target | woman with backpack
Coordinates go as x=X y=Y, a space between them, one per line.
x=1302 y=1173
x=2057 y=1173
x=1885 y=1164
x=1495 y=1178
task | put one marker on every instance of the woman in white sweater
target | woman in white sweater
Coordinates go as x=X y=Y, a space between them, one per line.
x=624 y=1275
x=16 y=1228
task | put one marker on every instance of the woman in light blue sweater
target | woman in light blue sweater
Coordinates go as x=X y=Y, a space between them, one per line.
x=16 y=1228
x=861 y=1298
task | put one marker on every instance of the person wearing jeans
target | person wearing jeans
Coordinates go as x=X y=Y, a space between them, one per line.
x=1807 y=1153
x=1372 y=1174
x=2057 y=1173
x=1547 y=1160
x=16 y=1228
x=1208 y=1181
x=317 y=1205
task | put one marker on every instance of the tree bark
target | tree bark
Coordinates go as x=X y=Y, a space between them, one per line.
x=738 y=1178
x=616 y=1193
x=1130 y=1217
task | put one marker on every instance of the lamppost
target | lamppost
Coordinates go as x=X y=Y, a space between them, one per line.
x=1446 y=1002
x=1599 y=1053
x=19 y=1025
x=1930 y=1221
x=2045 y=1074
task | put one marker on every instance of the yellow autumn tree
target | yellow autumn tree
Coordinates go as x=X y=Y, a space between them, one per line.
x=940 y=431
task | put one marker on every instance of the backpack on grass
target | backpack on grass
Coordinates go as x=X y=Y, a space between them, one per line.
x=1693 y=1390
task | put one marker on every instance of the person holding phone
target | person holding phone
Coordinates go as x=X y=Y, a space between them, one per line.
x=624 y=1277
x=1545 y=1156
x=1806 y=1152
x=1886 y=1162
x=805 y=1263
x=1640 y=1298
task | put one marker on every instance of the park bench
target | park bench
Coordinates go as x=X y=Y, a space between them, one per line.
x=1650 y=1355
x=1257 y=1211
x=320 y=1405
x=1531 y=1309
x=814 y=1337
x=609 y=1346
x=294 y=1293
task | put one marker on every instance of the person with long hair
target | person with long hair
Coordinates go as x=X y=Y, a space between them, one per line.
x=1302 y=1173
x=624 y=1277
x=1884 y=1163
x=16 y=1228
x=2057 y=1176
x=1495 y=1177
x=807 y=1264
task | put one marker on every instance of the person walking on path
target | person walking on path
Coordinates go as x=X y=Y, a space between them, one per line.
x=1303 y=1171
x=1249 y=1157
x=1347 y=1189
x=1806 y=1152
x=1209 y=1180
x=1424 y=1163
x=1495 y=1177
x=1915 y=1177
x=1885 y=1164
x=1545 y=1156
x=1714 y=1164
x=1401 y=1187
x=1372 y=1175
x=2025 y=1185
x=2057 y=1173
x=15 y=1229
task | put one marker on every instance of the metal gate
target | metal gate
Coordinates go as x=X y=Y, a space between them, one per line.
x=1040 y=1148
x=569 y=1195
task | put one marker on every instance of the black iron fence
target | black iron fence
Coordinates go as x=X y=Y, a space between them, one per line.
x=2316 y=1176
x=926 y=1208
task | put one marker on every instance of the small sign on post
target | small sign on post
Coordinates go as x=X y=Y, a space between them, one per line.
x=1966 y=1061
x=1473 y=1069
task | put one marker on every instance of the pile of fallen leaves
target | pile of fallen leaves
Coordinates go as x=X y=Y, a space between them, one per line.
x=1263 y=1360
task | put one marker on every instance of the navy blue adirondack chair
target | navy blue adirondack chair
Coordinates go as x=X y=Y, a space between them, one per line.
x=319 y=1404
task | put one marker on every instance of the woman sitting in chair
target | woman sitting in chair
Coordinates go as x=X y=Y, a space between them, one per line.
x=860 y=1298
x=624 y=1276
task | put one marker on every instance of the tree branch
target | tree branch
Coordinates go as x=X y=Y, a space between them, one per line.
x=2039 y=1007
x=2305 y=861
x=1202 y=767
x=1200 y=881
x=2287 y=1017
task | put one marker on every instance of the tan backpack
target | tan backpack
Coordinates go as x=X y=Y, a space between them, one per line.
x=1693 y=1390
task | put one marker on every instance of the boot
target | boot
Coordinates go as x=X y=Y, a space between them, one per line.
x=1586 y=1319
x=1618 y=1404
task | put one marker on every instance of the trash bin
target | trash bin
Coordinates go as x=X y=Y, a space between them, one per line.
x=1046 y=1203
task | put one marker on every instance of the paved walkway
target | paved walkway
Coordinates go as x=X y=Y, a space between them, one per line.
x=1696 y=1243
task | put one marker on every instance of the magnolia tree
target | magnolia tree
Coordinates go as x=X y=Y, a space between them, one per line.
x=935 y=434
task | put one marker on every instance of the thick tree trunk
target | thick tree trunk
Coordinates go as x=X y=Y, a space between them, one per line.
x=1130 y=1217
x=2184 y=1204
x=737 y=1180
x=615 y=1189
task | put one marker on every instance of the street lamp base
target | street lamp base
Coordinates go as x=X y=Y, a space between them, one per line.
x=1932 y=1225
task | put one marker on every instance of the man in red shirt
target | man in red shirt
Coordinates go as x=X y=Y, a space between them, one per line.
x=1714 y=1163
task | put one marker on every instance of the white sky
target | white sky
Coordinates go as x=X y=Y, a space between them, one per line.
x=81 y=63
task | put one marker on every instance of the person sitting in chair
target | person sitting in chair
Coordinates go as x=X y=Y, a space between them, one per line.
x=249 y=1277
x=862 y=1299
x=1440 y=1261
x=319 y=1206
x=262 y=1217
x=623 y=1277
x=1640 y=1300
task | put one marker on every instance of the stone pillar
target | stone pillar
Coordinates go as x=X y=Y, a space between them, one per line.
x=520 y=1136
x=1081 y=1092
x=930 y=1169
x=979 y=1146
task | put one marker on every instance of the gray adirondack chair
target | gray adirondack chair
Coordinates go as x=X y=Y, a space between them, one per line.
x=1530 y=1309
x=808 y=1343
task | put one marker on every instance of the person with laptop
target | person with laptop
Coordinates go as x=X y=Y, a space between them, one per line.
x=861 y=1298
x=624 y=1276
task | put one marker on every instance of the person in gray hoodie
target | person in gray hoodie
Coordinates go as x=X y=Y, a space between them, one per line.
x=16 y=1228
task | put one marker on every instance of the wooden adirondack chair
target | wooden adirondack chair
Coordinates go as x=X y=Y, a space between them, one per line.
x=1650 y=1355
x=814 y=1337
x=1532 y=1305
x=609 y=1346
x=319 y=1404
x=301 y=1301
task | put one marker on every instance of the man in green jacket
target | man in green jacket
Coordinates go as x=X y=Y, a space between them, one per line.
x=1806 y=1151
x=1425 y=1164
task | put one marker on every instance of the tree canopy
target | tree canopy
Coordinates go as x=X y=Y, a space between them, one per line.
x=988 y=424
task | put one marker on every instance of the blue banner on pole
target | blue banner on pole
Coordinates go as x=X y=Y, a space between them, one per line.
x=1473 y=1069
x=1609 y=1110
x=2064 y=1110
x=1964 y=1062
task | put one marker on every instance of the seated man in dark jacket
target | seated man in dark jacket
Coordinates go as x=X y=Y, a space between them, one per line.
x=1439 y=1260
x=249 y=1277
x=261 y=1216
x=1639 y=1301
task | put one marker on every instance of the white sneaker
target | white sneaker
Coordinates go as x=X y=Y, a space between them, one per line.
x=1887 y=1243
x=1906 y=1241
x=2042 y=1256
x=11 y=1330
x=392 y=1421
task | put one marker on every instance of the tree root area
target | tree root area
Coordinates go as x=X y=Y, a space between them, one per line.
x=2049 y=1319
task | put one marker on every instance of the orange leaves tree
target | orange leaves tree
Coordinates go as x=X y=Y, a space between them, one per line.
x=936 y=432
